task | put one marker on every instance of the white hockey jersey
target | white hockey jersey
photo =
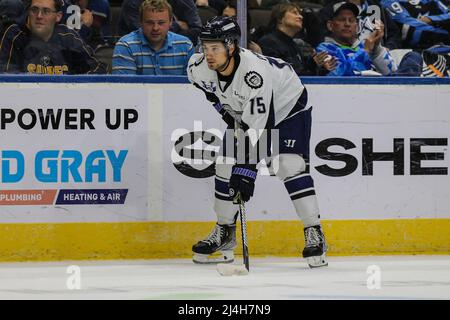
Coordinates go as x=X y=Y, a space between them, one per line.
x=261 y=93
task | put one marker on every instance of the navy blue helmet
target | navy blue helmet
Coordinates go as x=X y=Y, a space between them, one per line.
x=221 y=28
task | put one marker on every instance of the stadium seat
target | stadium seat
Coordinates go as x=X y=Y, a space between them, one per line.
x=312 y=5
x=115 y=15
x=260 y=17
x=104 y=54
x=206 y=13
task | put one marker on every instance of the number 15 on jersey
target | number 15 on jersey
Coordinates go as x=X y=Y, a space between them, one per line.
x=259 y=104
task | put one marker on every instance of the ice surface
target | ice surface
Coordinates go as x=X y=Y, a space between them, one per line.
x=401 y=277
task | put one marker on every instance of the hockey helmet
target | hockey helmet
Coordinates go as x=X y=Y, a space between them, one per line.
x=221 y=28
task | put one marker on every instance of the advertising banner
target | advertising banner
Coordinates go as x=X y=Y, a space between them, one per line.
x=145 y=152
x=377 y=152
x=73 y=153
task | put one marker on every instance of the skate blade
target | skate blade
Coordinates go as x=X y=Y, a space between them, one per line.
x=317 y=261
x=226 y=269
x=226 y=257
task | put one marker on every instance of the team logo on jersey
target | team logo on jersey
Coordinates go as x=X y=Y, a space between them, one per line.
x=253 y=79
x=46 y=61
x=211 y=87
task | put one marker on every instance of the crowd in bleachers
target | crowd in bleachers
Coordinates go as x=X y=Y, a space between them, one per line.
x=157 y=37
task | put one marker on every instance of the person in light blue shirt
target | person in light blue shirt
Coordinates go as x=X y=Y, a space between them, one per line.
x=153 y=49
x=367 y=57
x=354 y=57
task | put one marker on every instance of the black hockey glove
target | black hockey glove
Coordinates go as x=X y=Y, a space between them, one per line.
x=242 y=182
x=228 y=118
x=225 y=115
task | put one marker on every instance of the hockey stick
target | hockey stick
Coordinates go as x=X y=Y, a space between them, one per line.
x=226 y=269
x=243 y=217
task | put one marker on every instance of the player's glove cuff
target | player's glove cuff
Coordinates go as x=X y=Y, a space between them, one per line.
x=248 y=171
x=242 y=182
x=228 y=119
x=219 y=107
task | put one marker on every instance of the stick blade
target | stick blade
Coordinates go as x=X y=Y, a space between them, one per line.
x=226 y=269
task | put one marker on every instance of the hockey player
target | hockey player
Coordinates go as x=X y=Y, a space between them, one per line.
x=258 y=92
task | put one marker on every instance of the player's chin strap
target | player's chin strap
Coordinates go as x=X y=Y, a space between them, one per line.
x=226 y=64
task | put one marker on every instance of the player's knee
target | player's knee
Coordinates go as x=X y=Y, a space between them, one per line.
x=288 y=165
x=224 y=166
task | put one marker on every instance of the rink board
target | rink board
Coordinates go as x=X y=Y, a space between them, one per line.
x=94 y=187
x=154 y=240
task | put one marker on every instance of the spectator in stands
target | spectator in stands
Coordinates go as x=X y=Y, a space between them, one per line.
x=43 y=46
x=424 y=23
x=186 y=20
x=369 y=12
x=367 y=57
x=311 y=31
x=93 y=21
x=153 y=49
x=231 y=11
x=286 y=22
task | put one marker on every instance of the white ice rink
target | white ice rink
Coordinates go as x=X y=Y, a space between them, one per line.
x=401 y=277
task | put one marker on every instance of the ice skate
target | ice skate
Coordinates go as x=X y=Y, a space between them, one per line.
x=221 y=240
x=315 y=247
